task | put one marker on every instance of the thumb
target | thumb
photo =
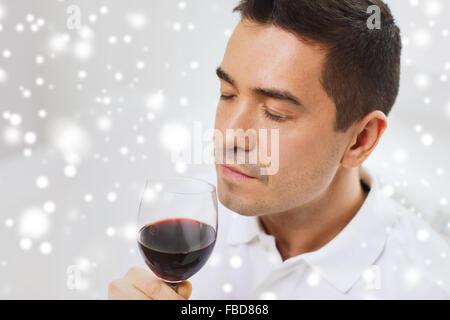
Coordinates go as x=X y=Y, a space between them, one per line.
x=184 y=289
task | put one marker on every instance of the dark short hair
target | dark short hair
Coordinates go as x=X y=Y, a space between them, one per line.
x=361 y=72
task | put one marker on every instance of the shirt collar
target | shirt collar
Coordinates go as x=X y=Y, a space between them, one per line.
x=243 y=229
x=342 y=260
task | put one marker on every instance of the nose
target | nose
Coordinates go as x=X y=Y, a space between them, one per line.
x=239 y=133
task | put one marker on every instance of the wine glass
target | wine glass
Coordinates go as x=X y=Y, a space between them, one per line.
x=177 y=222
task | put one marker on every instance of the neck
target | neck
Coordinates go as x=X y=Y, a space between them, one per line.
x=310 y=227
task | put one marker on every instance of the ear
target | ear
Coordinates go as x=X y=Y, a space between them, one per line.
x=364 y=139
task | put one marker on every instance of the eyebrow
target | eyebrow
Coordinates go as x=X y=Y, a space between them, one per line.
x=274 y=93
x=225 y=76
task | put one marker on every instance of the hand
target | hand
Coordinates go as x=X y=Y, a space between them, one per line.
x=140 y=284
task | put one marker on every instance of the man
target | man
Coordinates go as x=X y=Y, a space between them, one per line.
x=319 y=227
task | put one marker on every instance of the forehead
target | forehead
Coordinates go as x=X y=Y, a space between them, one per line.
x=265 y=55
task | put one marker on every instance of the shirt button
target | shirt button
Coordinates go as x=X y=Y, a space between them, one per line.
x=264 y=245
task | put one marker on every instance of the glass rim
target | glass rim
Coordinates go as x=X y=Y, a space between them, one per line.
x=211 y=187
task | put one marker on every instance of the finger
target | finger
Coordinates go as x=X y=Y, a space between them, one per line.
x=184 y=289
x=148 y=284
x=118 y=290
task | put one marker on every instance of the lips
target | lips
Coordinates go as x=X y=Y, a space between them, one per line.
x=234 y=173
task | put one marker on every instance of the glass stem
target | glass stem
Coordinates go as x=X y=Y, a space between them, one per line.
x=173 y=285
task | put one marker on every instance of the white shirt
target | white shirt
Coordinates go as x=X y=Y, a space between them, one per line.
x=384 y=252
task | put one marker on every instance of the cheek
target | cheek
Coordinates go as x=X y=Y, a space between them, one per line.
x=300 y=151
x=307 y=163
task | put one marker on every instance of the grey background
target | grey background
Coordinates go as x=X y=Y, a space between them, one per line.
x=180 y=45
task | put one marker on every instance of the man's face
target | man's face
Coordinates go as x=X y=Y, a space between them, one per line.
x=258 y=59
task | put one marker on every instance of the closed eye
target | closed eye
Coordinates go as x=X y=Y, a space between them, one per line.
x=272 y=116
x=266 y=112
x=224 y=97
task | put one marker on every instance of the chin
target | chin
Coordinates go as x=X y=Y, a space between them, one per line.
x=233 y=202
x=239 y=205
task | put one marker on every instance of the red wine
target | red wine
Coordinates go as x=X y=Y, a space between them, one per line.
x=175 y=249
